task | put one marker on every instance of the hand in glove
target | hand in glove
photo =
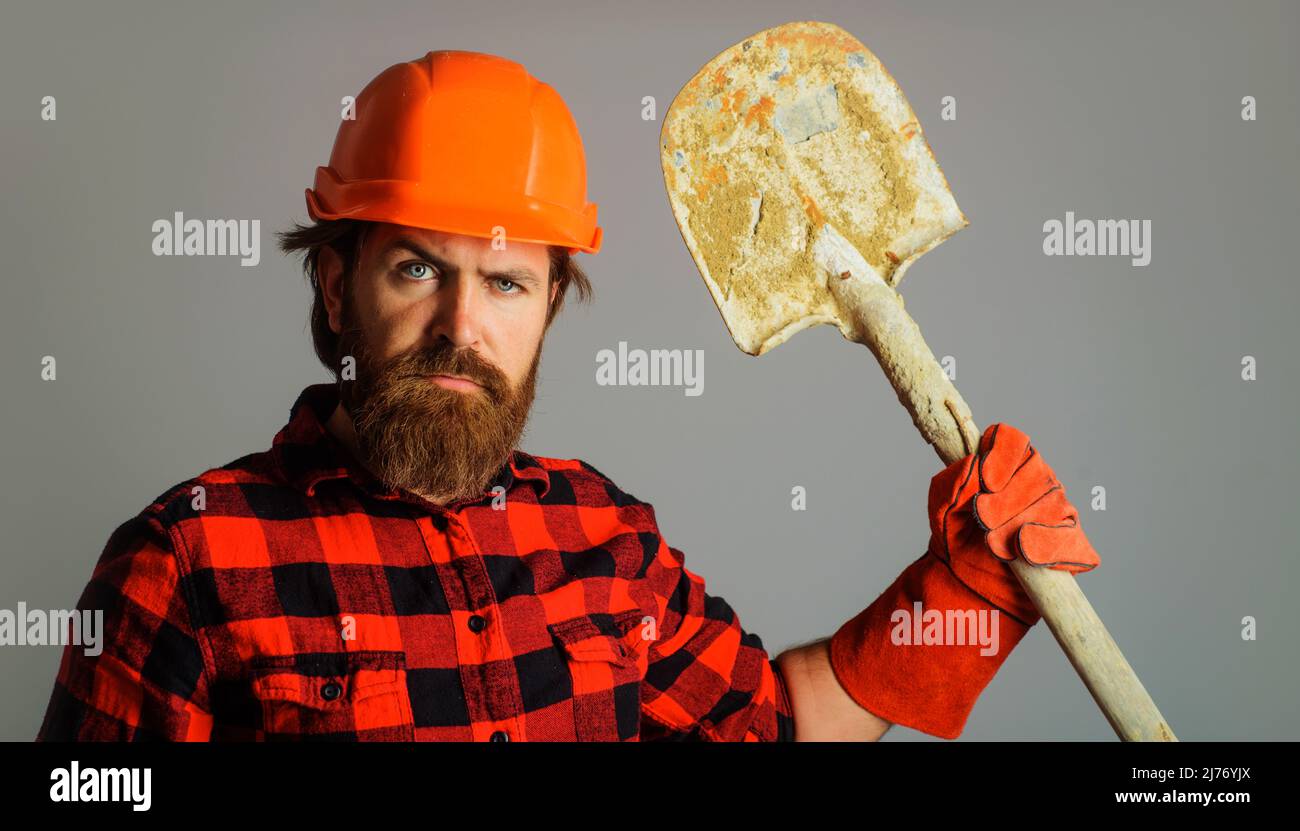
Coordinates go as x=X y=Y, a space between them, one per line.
x=1001 y=502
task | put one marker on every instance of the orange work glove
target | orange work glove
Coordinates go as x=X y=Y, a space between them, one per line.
x=985 y=509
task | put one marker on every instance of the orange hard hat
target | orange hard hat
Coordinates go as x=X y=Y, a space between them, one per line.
x=466 y=143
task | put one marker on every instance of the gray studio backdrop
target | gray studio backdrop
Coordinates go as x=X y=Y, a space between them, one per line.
x=1125 y=377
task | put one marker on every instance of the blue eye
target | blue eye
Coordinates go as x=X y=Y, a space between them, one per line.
x=510 y=282
x=428 y=271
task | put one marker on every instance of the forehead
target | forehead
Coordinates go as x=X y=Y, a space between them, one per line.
x=455 y=248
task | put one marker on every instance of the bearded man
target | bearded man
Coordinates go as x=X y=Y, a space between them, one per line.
x=395 y=568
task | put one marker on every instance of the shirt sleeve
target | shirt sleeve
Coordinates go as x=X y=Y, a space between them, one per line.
x=147 y=681
x=708 y=679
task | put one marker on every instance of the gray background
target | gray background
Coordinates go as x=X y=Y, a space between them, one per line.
x=1125 y=377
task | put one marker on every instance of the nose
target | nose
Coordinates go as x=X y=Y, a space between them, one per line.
x=457 y=318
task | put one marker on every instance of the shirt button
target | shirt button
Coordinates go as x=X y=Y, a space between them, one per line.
x=500 y=736
x=476 y=623
x=331 y=691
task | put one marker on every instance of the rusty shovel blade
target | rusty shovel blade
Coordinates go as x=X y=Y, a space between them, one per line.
x=783 y=153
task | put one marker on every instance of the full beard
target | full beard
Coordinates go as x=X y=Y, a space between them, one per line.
x=442 y=444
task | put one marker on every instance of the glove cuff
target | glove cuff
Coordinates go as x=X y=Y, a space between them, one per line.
x=923 y=667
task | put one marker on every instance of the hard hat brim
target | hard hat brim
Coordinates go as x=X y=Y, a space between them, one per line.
x=406 y=203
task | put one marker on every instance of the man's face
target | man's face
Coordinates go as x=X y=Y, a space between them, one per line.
x=424 y=306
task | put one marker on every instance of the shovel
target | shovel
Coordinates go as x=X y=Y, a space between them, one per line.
x=804 y=189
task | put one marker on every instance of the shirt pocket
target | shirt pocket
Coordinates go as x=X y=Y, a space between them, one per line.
x=606 y=674
x=348 y=696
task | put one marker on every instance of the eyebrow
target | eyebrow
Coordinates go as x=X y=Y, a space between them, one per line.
x=519 y=274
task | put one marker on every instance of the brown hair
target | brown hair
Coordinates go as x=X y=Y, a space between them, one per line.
x=347 y=236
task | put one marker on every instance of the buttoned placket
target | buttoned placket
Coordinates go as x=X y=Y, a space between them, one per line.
x=492 y=693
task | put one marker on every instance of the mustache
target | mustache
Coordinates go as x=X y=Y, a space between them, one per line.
x=447 y=360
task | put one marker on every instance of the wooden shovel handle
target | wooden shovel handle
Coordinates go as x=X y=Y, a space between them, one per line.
x=873 y=315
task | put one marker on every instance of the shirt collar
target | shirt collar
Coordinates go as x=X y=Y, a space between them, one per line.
x=308 y=454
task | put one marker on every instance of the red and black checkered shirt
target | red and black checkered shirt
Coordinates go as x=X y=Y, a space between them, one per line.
x=291 y=595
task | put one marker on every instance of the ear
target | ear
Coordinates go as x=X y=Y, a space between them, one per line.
x=555 y=287
x=329 y=273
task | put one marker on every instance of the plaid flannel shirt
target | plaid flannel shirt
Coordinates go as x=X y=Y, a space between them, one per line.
x=290 y=595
